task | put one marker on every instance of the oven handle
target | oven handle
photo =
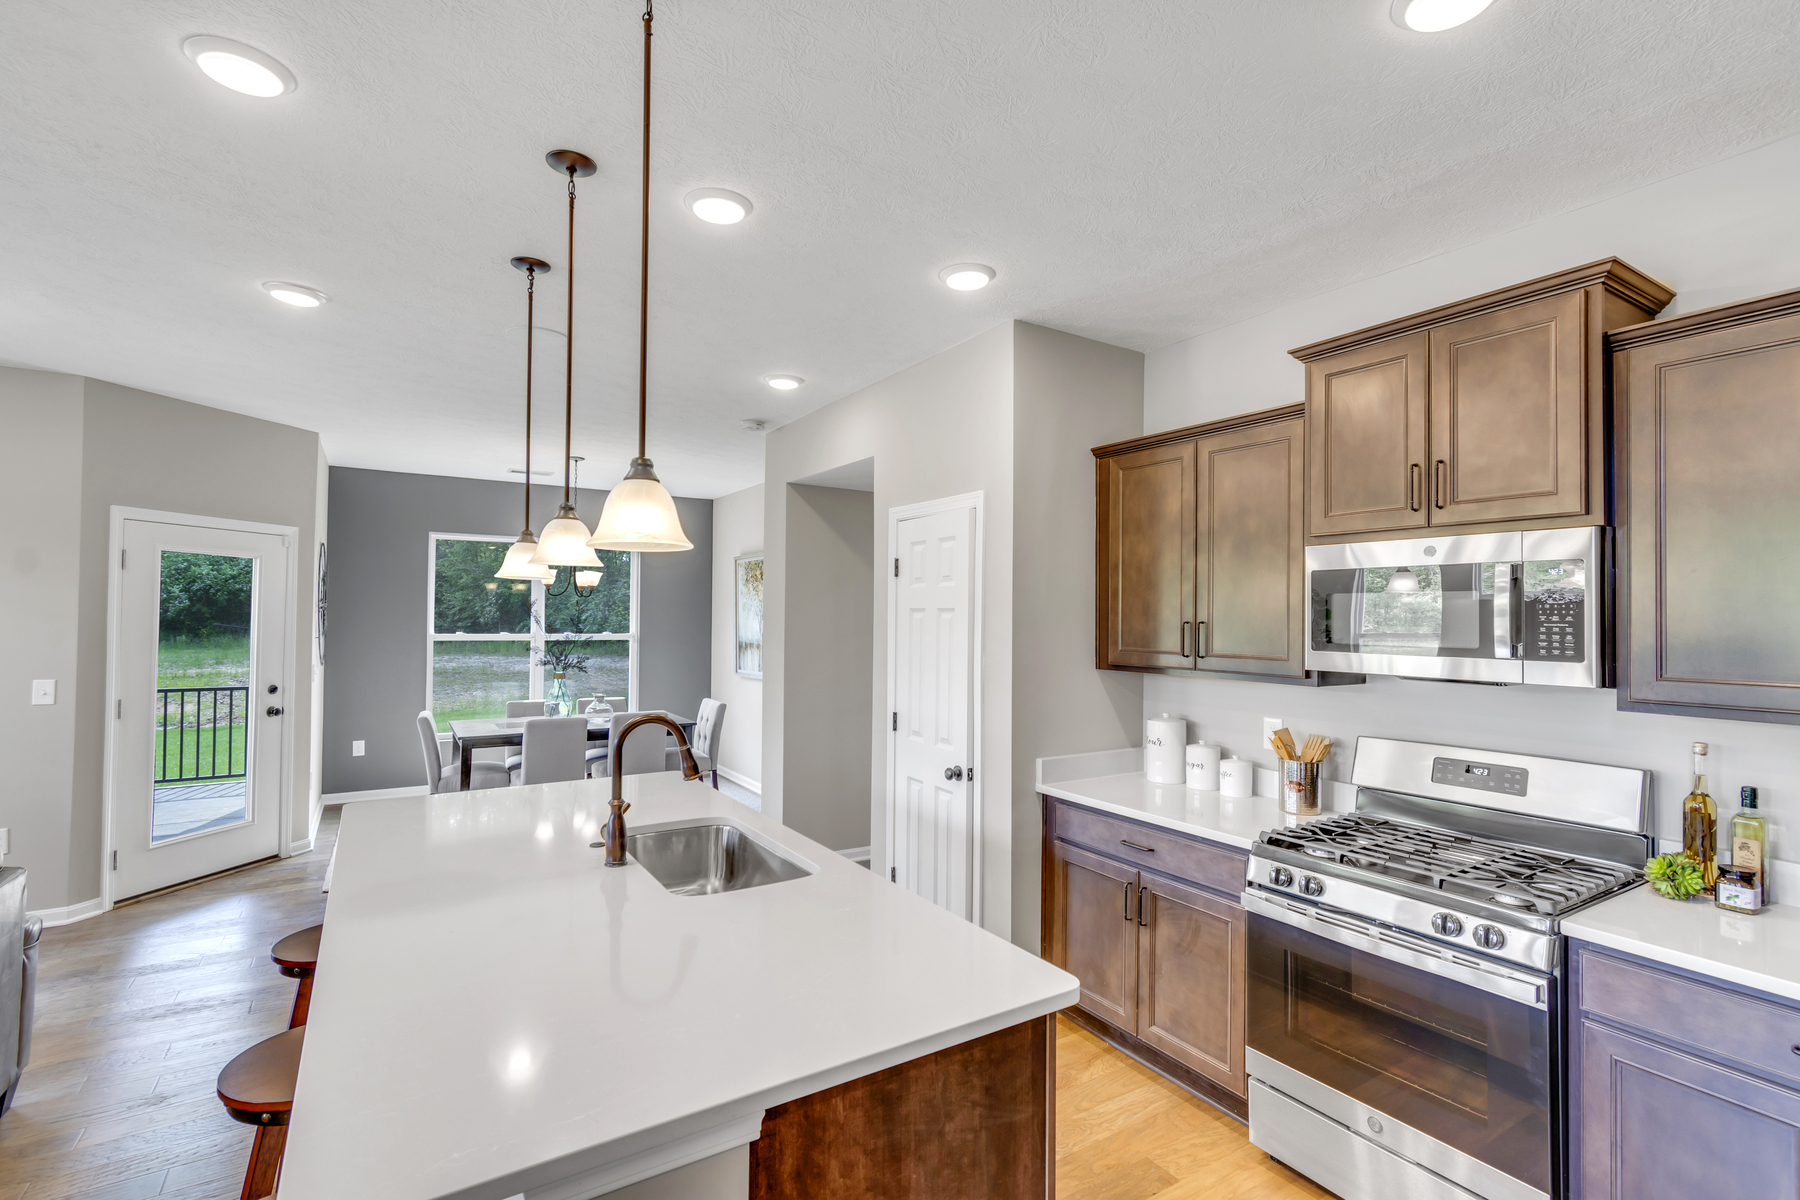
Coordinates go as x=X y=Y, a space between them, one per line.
x=1401 y=948
x=1508 y=609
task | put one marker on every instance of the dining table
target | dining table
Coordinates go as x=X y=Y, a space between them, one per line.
x=482 y=733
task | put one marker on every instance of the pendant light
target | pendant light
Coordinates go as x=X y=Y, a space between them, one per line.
x=639 y=513
x=565 y=537
x=584 y=580
x=518 y=555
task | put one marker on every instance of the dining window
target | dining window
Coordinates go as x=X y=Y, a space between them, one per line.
x=494 y=640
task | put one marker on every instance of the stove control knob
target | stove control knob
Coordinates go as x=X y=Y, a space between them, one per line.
x=1281 y=877
x=1446 y=924
x=1312 y=885
x=1490 y=937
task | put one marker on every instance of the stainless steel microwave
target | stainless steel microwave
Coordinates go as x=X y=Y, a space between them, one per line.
x=1530 y=607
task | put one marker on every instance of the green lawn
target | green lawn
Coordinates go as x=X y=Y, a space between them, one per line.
x=472 y=680
x=218 y=661
x=193 y=752
x=187 y=662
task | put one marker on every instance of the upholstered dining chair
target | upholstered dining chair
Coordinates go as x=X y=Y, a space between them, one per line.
x=514 y=710
x=441 y=778
x=709 y=727
x=555 y=750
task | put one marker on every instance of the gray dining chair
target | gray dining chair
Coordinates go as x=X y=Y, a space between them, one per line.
x=555 y=750
x=514 y=710
x=441 y=778
x=644 y=752
x=709 y=728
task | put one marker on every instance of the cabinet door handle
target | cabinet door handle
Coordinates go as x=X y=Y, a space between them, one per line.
x=1199 y=639
x=1142 y=892
x=1135 y=846
x=1127 y=903
x=1437 y=483
x=1185 y=627
x=1412 y=487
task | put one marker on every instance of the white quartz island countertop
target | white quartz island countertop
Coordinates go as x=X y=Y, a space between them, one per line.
x=1760 y=951
x=496 y=1012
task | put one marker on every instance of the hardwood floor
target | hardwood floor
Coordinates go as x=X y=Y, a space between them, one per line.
x=1123 y=1132
x=137 y=1010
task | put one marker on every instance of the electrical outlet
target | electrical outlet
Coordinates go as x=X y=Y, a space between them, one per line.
x=5 y=842
x=356 y=749
x=1270 y=725
x=43 y=691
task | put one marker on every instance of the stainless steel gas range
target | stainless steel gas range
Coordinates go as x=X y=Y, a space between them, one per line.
x=1405 y=995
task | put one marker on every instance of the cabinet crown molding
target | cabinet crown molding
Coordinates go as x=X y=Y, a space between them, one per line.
x=1187 y=433
x=1614 y=274
x=1706 y=320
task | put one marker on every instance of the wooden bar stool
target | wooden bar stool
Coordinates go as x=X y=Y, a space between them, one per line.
x=297 y=955
x=257 y=1088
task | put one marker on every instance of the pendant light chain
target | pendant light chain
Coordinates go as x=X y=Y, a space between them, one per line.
x=644 y=259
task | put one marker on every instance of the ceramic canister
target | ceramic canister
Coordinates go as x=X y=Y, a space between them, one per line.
x=1203 y=767
x=1237 y=777
x=1165 y=744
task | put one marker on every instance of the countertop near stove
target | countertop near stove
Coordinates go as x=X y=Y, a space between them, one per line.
x=1761 y=951
x=1113 y=781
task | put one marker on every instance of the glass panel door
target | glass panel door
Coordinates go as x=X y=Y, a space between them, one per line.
x=1468 y=1067
x=201 y=712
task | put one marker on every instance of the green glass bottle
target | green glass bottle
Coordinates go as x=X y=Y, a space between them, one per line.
x=1750 y=839
x=1700 y=823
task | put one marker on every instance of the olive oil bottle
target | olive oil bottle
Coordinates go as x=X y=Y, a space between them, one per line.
x=1700 y=823
x=1750 y=839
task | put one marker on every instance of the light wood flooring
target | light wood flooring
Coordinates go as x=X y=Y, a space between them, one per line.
x=139 y=1008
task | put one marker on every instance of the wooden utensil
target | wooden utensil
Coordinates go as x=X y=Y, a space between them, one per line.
x=1283 y=741
x=1317 y=747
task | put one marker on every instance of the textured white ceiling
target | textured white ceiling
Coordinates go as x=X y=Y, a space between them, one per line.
x=1136 y=170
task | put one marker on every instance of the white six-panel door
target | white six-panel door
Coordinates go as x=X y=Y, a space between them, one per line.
x=933 y=834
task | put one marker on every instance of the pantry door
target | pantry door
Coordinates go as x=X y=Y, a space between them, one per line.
x=200 y=711
x=934 y=832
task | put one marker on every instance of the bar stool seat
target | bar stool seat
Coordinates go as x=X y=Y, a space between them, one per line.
x=297 y=955
x=257 y=1088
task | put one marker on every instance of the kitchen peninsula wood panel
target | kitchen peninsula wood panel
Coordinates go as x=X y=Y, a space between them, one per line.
x=1708 y=408
x=977 y=1119
x=1488 y=411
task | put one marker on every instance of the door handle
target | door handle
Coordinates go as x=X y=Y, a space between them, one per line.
x=1199 y=639
x=1437 y=483
x=953 y=773
x=272 y=711
x=1128 y=921
x=1142 y=892
x=1412 y=487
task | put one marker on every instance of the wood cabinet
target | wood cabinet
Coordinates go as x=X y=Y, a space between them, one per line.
x=1490 y=410
x=1678 y=1082
x=1160 y=955
x=1708 y=409
x=1200 y=550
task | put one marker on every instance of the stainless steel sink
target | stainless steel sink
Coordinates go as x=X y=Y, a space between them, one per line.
x=698 y=860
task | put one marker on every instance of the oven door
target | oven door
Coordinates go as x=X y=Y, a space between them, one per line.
x=1457 y=1055
x=1431 y=608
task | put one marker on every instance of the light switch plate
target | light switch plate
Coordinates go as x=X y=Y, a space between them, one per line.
x=43 y=691
x=356 y=749
x=5 y=842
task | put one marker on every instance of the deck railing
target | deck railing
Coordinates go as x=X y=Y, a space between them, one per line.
x=201 y=733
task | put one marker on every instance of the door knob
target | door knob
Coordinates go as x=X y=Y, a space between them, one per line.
x=953 y=773
x=272 y=711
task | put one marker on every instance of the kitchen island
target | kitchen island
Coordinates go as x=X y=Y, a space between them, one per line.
x=498 y=1014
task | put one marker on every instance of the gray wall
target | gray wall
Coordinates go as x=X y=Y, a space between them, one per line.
x=77 y=447
x=380 y=556
x=830 y=591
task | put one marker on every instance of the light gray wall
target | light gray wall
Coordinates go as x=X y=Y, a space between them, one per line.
x=1070 y=394
x=1721 y=233
x=380 y=562
x=737 y=530
x=831 y=592
x=77 y=448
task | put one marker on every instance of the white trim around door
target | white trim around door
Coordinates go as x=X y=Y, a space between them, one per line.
x=977 y=785
x=115 y=578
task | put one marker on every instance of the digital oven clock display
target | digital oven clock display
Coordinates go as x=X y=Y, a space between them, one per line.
x=1483 y=777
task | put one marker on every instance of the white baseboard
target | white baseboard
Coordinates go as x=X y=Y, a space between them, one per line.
x=71 y=913
x=859 y=854
x=328 y=798
x=743 y=781
x=303 y=846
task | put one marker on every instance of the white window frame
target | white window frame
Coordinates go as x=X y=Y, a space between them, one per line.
x=536 y=637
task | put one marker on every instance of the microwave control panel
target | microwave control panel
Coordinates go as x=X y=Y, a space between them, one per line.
x=1553 y=625
x=1485 y=777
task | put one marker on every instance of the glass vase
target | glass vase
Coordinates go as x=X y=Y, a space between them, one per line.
x=556 y=697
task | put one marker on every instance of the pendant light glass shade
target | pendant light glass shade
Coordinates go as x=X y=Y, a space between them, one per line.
x=517 y=564
x=640 y=515
x=565 y=542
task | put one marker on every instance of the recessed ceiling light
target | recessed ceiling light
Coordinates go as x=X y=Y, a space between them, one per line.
x=967 y=277
x=783 y=383
x=239 y=67
x=1435 y=16
x=718 y=206
x=294 y=294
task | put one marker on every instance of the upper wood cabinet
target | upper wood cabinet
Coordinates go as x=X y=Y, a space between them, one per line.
x=1200 y=548
x=1708 y=410
x=1489 y=410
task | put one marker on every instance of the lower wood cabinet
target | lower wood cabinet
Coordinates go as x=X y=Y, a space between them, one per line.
x=1161 y=960
x=1679 y=1086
